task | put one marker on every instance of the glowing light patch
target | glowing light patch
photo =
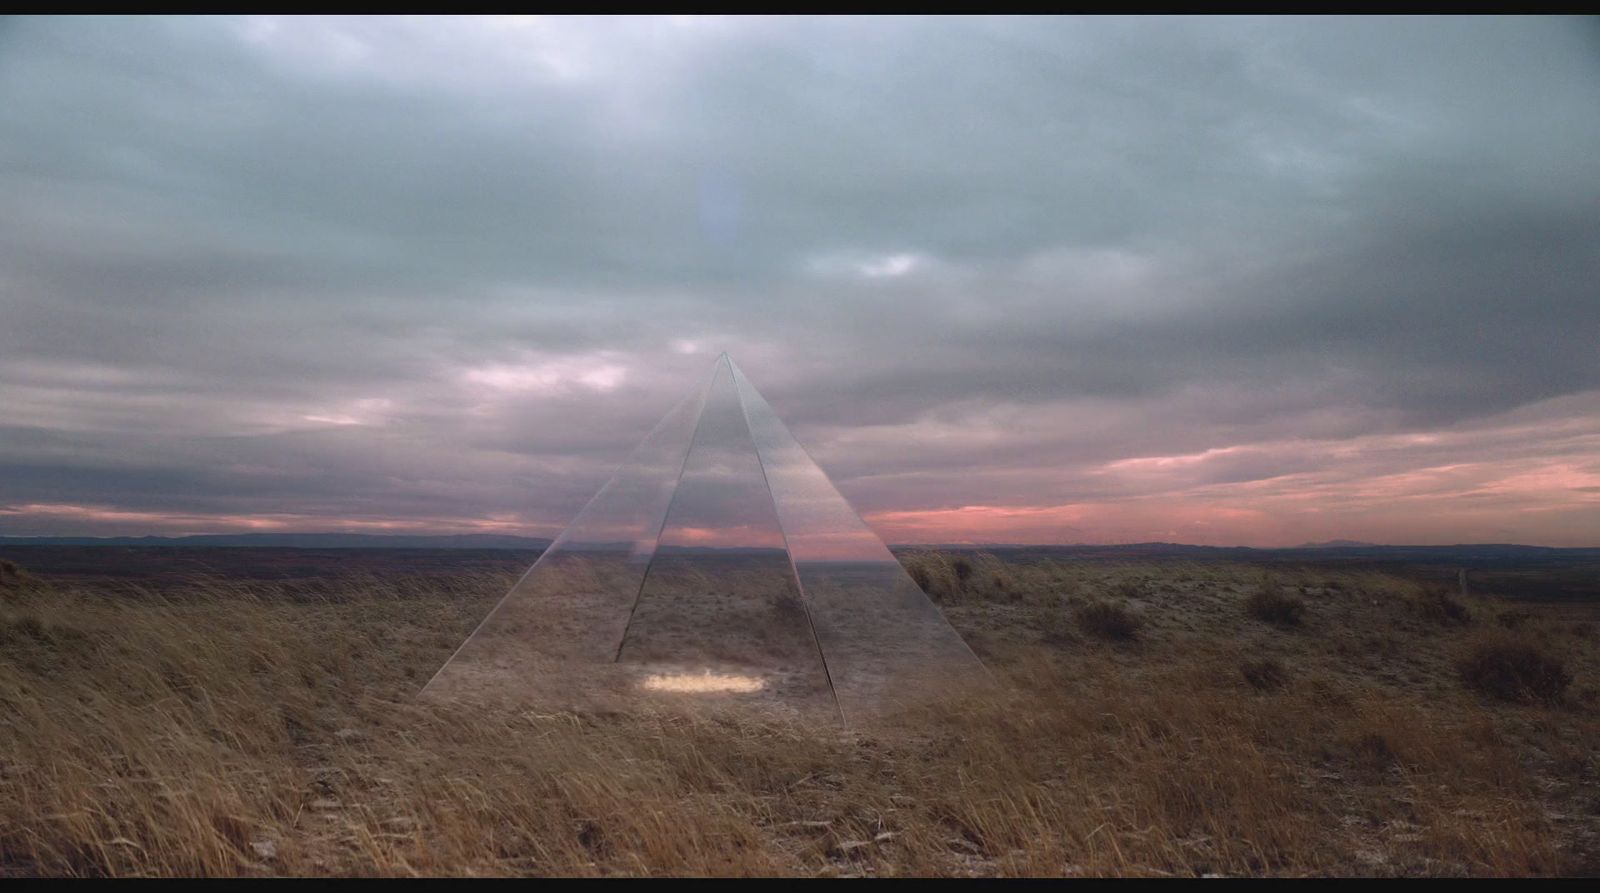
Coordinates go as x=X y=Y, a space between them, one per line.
x=890 y=266
x=704 y=683
x=549 y=377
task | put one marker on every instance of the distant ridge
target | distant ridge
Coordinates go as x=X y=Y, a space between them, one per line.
x=295 y=541
x=1467 y=553
x=1462 y=552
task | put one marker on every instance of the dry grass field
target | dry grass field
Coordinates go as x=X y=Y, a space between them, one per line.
x=1161 y=718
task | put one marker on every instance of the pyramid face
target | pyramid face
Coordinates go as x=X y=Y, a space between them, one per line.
x=718 y=567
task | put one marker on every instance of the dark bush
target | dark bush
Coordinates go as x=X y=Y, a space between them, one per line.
x=1108 y=620
x=1514 y=619
x=1440 y=606
x=1374 y=751
x=963 y=569
x=1514 y=671
x=919 y=575
x=1266 y=674
x=1127 y=589
x=1276 y=607
x=24 y=630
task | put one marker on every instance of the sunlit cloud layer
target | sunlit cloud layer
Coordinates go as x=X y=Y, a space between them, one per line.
x=1213 y=281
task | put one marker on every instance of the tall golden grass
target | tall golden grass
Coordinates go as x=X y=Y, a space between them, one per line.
x=232 y=729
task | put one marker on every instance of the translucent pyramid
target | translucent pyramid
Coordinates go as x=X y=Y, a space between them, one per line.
x=718 y=567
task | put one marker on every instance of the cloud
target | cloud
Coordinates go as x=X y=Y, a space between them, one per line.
x=355 y=271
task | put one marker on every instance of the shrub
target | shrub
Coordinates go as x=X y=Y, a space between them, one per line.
x=1374 y=751
x=1276 y=607
x=1108 y=620
x=1127 y=589
x=919 y=576
x=1440 y=606
x=968 y=577
x=1514 y=671
x=931 y=572
x=28 y=630
x=25 y=628
x=1055 y=625
x=963 y=569
x=1266 y=674
x=1513 y=619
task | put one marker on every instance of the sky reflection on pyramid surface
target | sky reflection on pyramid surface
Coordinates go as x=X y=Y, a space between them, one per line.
x=718 y=561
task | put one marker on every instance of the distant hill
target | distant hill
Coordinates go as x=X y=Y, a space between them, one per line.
x=1465 y=553
x=295 y=541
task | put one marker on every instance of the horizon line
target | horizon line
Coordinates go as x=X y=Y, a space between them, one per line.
x=1326 y=545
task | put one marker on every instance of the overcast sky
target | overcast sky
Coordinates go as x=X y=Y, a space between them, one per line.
x=1207 y=281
